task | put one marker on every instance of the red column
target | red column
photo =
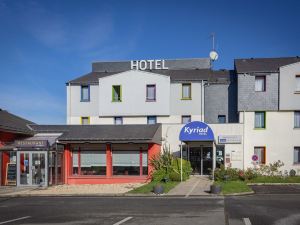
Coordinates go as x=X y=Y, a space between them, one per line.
x=141 y=162
x=5 y=160
x=108 y=160
x=67 y=164
x=153 y=151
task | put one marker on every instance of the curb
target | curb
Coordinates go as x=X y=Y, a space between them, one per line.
x=240 y=194
x=275 y=184
x=110 y=195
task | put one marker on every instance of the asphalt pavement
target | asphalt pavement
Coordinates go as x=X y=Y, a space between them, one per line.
x=112 y=210
x=279 y=205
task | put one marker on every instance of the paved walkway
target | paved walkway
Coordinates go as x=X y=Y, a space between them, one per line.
x=196 y=185
x=63 y=190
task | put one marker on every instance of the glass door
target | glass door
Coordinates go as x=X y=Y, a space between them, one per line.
x=23 y=168
x=38 y=169
x=207 y=161
x=32 y=169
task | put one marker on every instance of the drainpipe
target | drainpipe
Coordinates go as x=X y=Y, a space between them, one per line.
x=69 y=116
x=244 y=140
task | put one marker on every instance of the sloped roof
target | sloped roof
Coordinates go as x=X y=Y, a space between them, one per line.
x=175 y=75
x=104 y=133
x=14 y=124
x=263 y=64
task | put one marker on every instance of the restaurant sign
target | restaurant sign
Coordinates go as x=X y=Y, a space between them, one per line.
x=31 y=143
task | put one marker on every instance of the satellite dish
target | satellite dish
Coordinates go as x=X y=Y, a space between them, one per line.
x=213 y=55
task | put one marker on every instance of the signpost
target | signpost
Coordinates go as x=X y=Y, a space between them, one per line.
x=254 y=159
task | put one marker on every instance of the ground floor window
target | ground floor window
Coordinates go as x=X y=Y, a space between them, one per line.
x=297 y=155
x=132 y=163
x=261 y=153
x=89 y=163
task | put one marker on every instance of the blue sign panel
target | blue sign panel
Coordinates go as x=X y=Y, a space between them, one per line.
x=196 y=131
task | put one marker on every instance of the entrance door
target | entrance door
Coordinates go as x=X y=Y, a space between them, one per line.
x=201 y=160
x=207 y=160
x=32 y=169
x=195 y=160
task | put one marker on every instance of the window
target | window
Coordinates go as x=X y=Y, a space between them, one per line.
x=297 y=155
x=126 y=163
x=221 y=119
x=151 y=92
x=260 y=119
x=116 y=93
x=89 y=162
x=297 y=119
x=186 y=91
x=297 y=83
x=85 y=93
x=261 y=153
x=151 y=120
x=260 y=83
x=185 y=119
x=85 y=120
x=118 y=120
x=145 y=162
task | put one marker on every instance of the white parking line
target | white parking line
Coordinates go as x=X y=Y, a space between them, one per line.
x=247 y=221
x=123 y=220
x=9 y=221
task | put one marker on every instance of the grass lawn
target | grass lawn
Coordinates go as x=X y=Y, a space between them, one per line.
x=275 y=179
x=148 y=188
x=230 y=187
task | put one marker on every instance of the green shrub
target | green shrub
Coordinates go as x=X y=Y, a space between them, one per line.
x=292 y=173
x=186 y=168
x=271 y=169
x=228 y=174
x=159 y=175
x=250 y=174
x=166 y=166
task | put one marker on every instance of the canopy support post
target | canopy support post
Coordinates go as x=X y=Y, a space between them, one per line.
x=181 y=161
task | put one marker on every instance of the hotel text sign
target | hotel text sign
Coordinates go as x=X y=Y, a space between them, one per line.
x=148 y=65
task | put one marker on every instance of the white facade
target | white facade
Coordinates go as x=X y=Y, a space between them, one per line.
x=279 y=138
x=169 y=107
x=279 y=101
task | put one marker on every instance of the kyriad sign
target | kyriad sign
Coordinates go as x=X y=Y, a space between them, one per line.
x=196 y=131
x=148 y=65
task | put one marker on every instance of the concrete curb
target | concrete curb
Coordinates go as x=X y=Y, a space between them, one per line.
x=240 y=194
x=109 y=195
x=259 y=184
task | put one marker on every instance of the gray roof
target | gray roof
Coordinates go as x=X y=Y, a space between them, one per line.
x=172 y=64
x=104 y=133
x=175 y=75
x=14 y=124
x=263 y=64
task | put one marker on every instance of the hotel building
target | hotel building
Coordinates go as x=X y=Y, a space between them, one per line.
x=121 y=114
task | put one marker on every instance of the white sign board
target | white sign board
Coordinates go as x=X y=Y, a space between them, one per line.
x=230 y=139
x=148 y=65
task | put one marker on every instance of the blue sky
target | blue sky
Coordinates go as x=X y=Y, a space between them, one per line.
x=43 y=44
